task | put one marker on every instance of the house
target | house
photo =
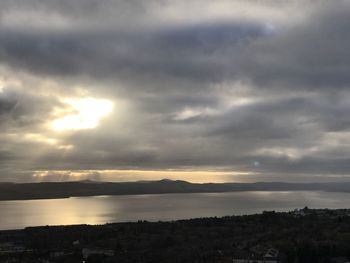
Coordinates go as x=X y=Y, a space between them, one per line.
x=76 y=243
x=86 y=252
x=9 y=248
x=60 y=253
x=270 y=256
x=255 y=259
x=299 y=213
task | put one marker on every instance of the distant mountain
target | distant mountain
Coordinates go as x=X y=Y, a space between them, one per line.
x=24 y=191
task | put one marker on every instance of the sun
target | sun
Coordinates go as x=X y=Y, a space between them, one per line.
x=87 y=113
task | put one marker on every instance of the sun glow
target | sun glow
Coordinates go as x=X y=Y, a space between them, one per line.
x=84 y=114
x=194 y=176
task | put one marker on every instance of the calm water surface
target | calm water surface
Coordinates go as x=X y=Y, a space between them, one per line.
x=103 y=209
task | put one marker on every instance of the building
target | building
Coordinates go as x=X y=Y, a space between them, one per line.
x=269 y=256
x=87 y=252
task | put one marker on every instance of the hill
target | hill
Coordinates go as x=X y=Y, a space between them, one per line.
x=49 y=190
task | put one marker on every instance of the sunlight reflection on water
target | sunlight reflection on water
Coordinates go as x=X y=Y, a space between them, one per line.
x=103 y=209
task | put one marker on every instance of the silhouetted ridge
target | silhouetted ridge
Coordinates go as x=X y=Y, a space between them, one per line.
x=47 y=190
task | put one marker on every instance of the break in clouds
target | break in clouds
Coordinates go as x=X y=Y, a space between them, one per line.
x=248 y=90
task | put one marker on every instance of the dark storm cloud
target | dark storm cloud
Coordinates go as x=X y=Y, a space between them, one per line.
x=309 y=56
x=195 y=52
x=215 y=93
x=7 y=105
x=22 y=110
x=261 y=121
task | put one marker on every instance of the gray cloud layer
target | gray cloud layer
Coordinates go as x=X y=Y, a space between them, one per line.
x=257 y=93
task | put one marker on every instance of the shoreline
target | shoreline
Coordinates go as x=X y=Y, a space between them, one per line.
x=63 y=190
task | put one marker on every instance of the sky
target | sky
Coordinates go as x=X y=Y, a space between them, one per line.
x=198 y=90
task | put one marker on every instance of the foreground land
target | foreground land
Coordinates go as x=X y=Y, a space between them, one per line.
x=304 y=235
x=27 y=191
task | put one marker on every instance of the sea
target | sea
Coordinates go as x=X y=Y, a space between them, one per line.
x=161 y=207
